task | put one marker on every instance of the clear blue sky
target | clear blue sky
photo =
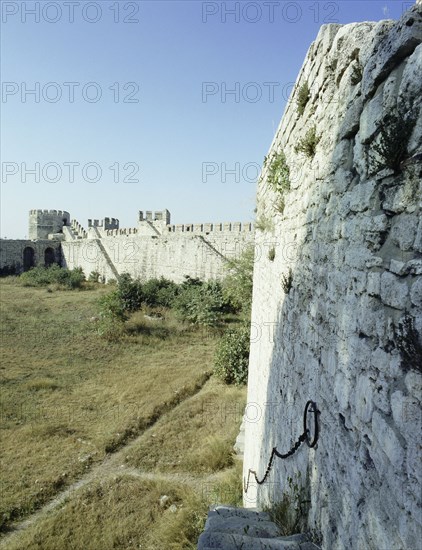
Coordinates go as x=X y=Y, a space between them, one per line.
x=173 y=129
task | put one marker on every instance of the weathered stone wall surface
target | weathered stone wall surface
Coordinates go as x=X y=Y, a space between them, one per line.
x=45 y=222
x=350 y=237
x=172 y=255
x=153 y=249
x=12 y=252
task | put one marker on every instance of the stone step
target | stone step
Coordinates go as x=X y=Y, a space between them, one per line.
x=230 y=528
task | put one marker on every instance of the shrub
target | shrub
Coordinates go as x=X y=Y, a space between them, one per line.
x=200 y=303
x=94 y=277
x=159 y=292
x=111 y=306
x=112 y=316
x=302 y=98
x=394 y=133
x=232 y=356
x=111 y=329
x=237 y=285
x=44 y=276
x=307 y=145
x=129 y=293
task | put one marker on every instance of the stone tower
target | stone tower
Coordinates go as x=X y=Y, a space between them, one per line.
x=45 y=222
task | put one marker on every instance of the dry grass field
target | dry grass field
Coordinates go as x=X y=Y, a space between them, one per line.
x=100 y=430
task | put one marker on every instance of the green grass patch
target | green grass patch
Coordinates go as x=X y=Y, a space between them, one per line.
x=70 y=398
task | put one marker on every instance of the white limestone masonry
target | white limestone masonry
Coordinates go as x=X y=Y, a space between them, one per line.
x=350 y=238
x=154 y=248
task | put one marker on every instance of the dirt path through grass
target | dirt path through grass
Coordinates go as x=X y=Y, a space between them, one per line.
x=114 y=465
x=111 y=466
x=95 y=432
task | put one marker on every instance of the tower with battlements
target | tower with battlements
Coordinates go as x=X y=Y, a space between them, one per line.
x=43 y=223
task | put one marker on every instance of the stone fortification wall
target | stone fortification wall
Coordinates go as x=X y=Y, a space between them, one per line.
x=45 y=222
x=12 y=253
x=336 y=298
x=171 y=255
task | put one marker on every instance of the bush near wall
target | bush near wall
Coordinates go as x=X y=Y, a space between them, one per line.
x=232 y=356
x=44 y=276
x=200 y=303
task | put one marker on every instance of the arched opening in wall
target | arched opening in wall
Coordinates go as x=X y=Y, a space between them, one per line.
x=64 y=221
x=49 y=257
x=28 y=258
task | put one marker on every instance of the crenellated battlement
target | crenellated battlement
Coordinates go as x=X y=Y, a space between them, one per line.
x=228 y=227
x=78 y=229
x=124 y=231
x=40 y=212
x=106 y=223
x=150 y=223
x=159 y=216
x=43 y=223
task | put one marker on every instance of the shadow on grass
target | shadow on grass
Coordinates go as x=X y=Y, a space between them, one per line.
x=156 y=330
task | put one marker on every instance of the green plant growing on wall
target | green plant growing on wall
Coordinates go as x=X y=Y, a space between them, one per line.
x=287 y=281
x=271 y=254
x=302 y=98
x=278 y=178
x=357 y=73
x=307 y=145
x=264 y=223
x=394 y=132
x=290 y=513
x=408 y=344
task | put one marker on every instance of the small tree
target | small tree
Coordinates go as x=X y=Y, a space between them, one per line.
x=232 y=356
x=237 y=285
x=200 y=303
x=129 y=293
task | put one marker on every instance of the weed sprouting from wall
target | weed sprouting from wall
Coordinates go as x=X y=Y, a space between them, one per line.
x=302 y=98
x=264 y=224
x=290 y=513
x=409 y=344
x=279 y=178
x=393 y=132
x=307 y=145
x=357 y=73
x=287 y=281
x=271 y=254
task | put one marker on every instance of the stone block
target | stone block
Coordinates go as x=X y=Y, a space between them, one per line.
x=363 y=398
x=387 y=440
x=362 y=196
x=398 y=268
x=394 y=292
x=416 y=292
x=389 y=48
x=403 y=231
x=374 y=284
x=350 y=124
x=371 y=116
